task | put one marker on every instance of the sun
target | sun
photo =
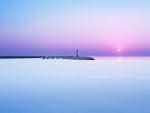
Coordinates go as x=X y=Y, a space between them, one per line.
x=119 y=50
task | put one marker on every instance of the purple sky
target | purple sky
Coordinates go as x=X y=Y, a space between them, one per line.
x=59 y=27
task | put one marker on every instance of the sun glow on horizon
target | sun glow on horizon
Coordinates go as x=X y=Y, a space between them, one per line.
x=119 y=50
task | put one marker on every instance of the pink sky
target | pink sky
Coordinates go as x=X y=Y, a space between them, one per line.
x=85 y=26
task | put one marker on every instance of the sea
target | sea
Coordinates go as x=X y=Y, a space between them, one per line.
x=104 y=85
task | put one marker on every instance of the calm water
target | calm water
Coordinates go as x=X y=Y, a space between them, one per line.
x=106 y=85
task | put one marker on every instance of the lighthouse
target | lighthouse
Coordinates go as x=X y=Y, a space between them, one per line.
x=77 y=53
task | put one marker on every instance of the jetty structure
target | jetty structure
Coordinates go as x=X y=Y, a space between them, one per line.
x=76 y=57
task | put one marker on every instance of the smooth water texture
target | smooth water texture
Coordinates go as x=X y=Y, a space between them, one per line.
x=106 y=85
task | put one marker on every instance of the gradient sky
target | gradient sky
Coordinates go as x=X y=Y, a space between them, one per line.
x=58 y=27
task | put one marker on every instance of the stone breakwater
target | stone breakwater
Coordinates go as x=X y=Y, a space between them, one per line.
x=49 y=57
x=69 y=57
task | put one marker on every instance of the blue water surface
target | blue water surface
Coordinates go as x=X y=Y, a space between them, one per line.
x=106 y=85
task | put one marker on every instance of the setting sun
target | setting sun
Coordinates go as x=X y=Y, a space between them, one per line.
x=119 y=49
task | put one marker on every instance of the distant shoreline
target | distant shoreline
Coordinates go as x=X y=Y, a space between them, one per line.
x=17 y=57
x=49 y=57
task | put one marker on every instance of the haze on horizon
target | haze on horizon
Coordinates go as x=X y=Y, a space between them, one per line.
x=59 y=27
